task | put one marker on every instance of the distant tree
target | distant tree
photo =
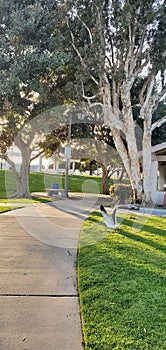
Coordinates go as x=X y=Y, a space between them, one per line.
x=88 y=140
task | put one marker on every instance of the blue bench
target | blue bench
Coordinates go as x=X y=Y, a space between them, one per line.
x=55 y=190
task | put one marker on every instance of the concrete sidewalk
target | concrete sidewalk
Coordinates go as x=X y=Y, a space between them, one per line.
x=39 y=302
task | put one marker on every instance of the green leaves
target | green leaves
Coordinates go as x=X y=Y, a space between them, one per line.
x=33 y=60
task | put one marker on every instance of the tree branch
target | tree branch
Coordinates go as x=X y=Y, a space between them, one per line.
x=141 y=94
x=11 y=163
x=148 y=94
x=112 y=52
x=87 y=97
x=142 y=65
x=87 y=28
x=158 y=123
x=79 y=54
x=157 y=97
x=36 y=155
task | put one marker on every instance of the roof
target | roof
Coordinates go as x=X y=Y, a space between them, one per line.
x=159 y=149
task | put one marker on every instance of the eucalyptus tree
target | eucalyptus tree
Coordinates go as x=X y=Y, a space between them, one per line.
x=118 y=42
x=33 y=69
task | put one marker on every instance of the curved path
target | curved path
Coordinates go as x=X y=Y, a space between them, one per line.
x=39 y=302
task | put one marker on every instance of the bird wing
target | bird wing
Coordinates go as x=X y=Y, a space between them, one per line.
x=114 y=215
x=109 y=220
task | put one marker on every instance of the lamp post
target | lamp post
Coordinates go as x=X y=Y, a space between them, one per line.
x=68 y=156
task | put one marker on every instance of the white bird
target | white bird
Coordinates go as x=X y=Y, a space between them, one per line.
x=110 y=220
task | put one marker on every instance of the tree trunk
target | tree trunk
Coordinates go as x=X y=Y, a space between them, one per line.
x=23 y=181
x=23 y=176
x=135 y=171
x=129 y=154
x=90 y=168
x=121 y=175
x=132 y=170
x=146 y=163
x=105 y=189
x=136 y=183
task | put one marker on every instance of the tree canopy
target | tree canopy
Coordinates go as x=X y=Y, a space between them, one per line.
x=110 y=54
x=33 y=70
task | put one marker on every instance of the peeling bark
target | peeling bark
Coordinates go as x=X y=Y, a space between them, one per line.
x=146 y=161
x=133 y=173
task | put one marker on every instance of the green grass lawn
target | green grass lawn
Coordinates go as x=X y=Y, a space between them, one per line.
x=38 y=182
x=122 y=284
x=5 y=208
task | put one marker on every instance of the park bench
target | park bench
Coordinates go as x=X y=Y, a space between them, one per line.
x=55 y=192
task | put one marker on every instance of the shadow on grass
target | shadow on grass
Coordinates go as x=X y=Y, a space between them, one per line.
x=98 y=231
x=121 y=282
x=141 y=239
x=152 y=230
x=122 y=292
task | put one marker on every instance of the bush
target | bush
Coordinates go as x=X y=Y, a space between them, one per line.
x=121 y=192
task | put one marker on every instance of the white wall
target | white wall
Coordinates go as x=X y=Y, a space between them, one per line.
x=154 y=173
x=162 y=178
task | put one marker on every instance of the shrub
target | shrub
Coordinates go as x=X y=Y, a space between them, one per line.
x=121 y=192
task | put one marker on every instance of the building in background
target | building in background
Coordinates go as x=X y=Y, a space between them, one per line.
x=158 y=173
x=54 y=165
